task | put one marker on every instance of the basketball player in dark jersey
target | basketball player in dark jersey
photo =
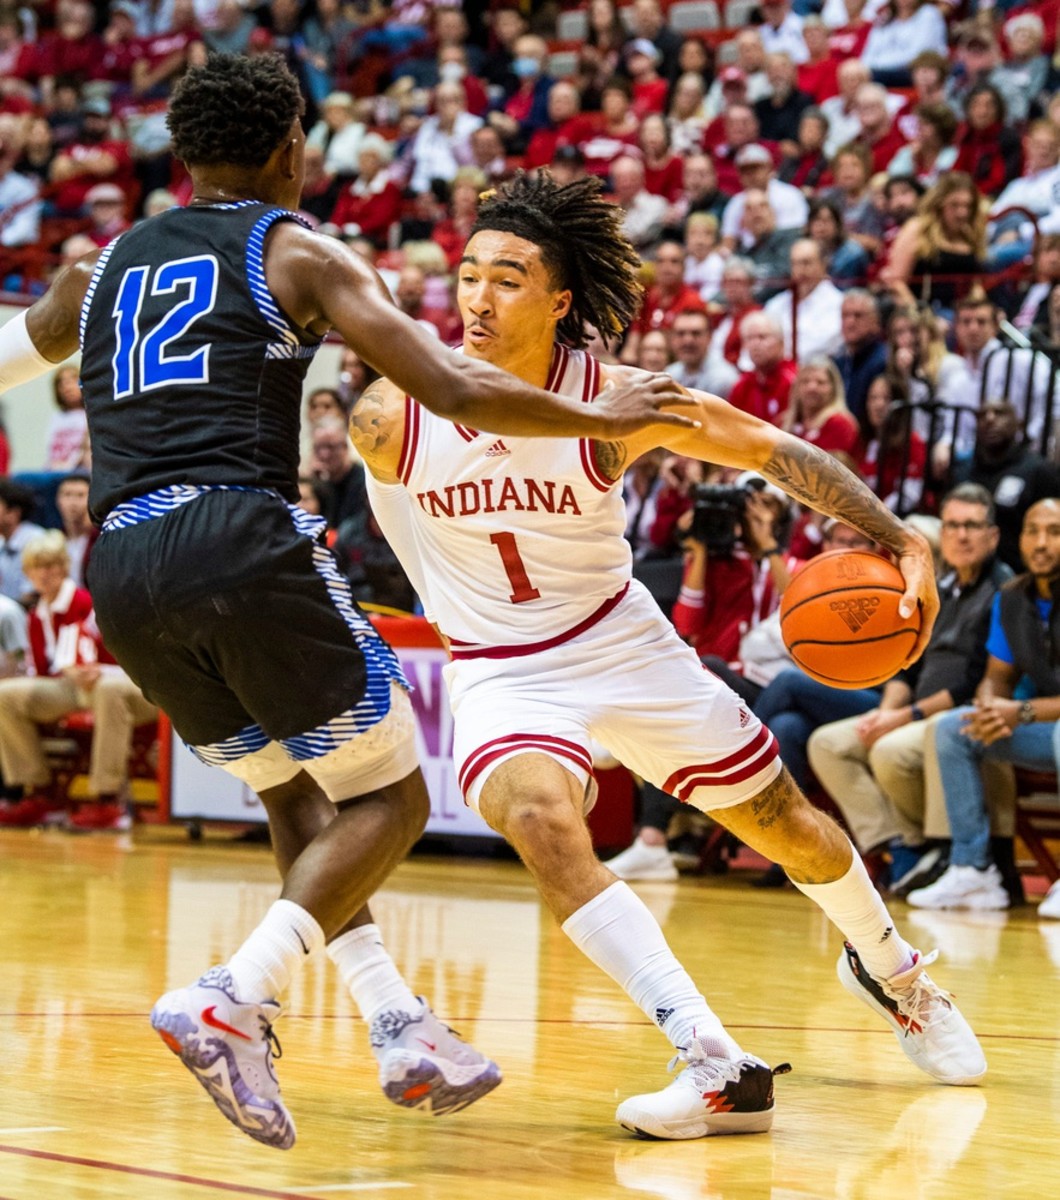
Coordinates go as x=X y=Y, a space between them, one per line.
x=217 y=595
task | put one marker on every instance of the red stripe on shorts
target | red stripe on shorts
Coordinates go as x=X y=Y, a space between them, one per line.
x=712 y=779
x=737 y=760
x=481 y=758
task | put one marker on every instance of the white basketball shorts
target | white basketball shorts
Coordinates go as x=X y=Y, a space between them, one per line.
x=631 y=684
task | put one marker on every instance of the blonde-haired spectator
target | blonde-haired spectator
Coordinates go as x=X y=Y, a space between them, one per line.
x=70 y=669
x=817 y=409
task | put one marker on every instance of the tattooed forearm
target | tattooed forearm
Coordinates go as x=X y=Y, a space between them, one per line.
x=819 y=480
x=369 y=426
x=611 y=458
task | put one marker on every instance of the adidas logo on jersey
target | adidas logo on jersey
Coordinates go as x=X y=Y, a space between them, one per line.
x=497 y=449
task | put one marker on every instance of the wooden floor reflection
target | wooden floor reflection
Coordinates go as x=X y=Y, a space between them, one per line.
x=94 y=929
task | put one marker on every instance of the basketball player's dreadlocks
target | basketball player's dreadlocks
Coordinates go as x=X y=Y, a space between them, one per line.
x=582 y=247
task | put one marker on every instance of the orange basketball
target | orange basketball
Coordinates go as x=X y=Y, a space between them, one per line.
x=839 y=619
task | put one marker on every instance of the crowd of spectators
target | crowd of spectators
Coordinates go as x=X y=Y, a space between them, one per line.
x=844 y=210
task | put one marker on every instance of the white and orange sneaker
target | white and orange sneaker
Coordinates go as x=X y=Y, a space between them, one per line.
x=423 y=1064
x=711 y=1096
x=228 y=1046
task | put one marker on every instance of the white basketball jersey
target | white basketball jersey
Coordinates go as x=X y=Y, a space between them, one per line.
x=519 y=540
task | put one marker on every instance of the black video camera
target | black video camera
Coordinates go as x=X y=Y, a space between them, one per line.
x=718 y=511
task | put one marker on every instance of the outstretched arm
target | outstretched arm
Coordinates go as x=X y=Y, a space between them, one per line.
x=733 y=438
x=321 y=284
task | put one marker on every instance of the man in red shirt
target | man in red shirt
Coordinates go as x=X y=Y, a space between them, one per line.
x=94 y=157
x=764 y=391
x=568 y=126
x=667 y=296
x=878 y=133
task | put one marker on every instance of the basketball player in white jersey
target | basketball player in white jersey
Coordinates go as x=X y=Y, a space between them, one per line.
x=516 y=547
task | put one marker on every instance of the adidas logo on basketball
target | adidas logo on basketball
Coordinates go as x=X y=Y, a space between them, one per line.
x=855 y=612
x=497 y=449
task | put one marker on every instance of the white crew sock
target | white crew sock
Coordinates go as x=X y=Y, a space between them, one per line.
x=854 y=906
x=263 y=966
x=618 y=933
x=369 y=973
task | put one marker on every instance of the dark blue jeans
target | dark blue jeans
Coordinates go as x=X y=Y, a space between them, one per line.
x=794 y=705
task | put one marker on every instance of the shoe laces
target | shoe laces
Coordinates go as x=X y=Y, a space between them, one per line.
x=917 y=995
x=706 y=1073
x=271 y=1039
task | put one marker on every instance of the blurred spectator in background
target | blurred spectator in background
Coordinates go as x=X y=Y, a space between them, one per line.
x=1033 y=308
x=601 y=54
x=20 y=205
x=663 y=170
x=781 y=30
x=644 y=213
x=567 y=126
x=649 y=22
x=862 y=219
x=342 y=489
x=664 y=299
x=987 y=147
x=807 y=166
x=939 y=252
x=452 y=232
x=371 y=203
x=654 y=352
x=106 y=205
x=817 y=410
x=689 y=341
x=229 y=31
x=878 y=133
x=525 y=109
x=779 y=113
x=748 y=73
x=442 y=143
x=1011 y=471
x=764 y=391
x=703 y=262
x=864 y=352
x=725 y=359
x=930 y=71
x=770 y=248
x=1022 y=77
x=905 y=29
x=96 y=156
x=841 y=110
x=755 y=166
x=66 y=441
x=71 y=499
x=845 y=260
x=641 y=485
x=735 y=129
x=931 y=151
x=616 y=134
x=37 y=152
x=648 y=89
x=16 y=531
x=700 y=192
x=817 y=76
x=816 y=322
x=338 y=134
x=487 y=153
x=893 y=457
x=355 y=375
x=686 y=118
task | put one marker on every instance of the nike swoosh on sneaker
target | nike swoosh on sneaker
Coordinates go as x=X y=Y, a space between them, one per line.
x=208 y=1018
x=430 y=1045
x=301 y=941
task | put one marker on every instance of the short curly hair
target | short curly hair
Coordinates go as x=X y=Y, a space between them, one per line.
x=582 y=245
x=233 y=110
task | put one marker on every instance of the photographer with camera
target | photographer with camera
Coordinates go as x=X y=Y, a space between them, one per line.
x=736 y=568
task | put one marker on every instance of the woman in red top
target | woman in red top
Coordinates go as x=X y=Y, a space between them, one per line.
x=369 y=205
x=986 y=147
x=817 y=409
x=895 y=473
x=452 y=233
x=663 y=170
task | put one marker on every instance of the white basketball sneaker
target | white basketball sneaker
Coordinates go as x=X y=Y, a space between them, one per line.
x=962 y=887
x=1050 y=906
x=710 y=1096
x=228 y=1046
x=424 y=1064
x=643 y=862
x=928 y=1025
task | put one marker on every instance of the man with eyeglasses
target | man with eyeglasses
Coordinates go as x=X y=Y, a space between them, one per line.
x=1015 y=719
x=877 y=767
x=690 y=340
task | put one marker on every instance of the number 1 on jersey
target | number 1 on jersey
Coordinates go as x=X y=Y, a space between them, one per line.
x=522 y=589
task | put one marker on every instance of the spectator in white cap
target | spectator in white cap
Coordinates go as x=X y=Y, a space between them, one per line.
x=338 y=134
x=649 y=88
x=1022 y=77
x=106 y=211
x=748 y=70
x=754 y=164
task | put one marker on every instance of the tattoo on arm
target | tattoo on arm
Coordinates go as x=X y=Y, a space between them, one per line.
x=369 y=427
x=611 y=458
x=817 y=479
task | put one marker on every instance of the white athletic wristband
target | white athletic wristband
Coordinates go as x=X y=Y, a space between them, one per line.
x=20 y=360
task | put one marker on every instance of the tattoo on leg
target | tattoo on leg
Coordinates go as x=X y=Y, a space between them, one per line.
x=771 y=804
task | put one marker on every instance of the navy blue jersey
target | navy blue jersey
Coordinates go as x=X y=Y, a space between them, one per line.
x=191 y=373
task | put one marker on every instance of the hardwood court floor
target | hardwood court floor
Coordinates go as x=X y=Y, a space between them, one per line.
x=92 y=1105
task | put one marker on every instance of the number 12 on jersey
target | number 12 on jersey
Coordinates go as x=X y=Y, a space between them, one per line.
x=522 y=588
x=140 y=359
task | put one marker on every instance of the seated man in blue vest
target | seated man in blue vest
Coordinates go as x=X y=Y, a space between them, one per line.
x=1023 y=649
